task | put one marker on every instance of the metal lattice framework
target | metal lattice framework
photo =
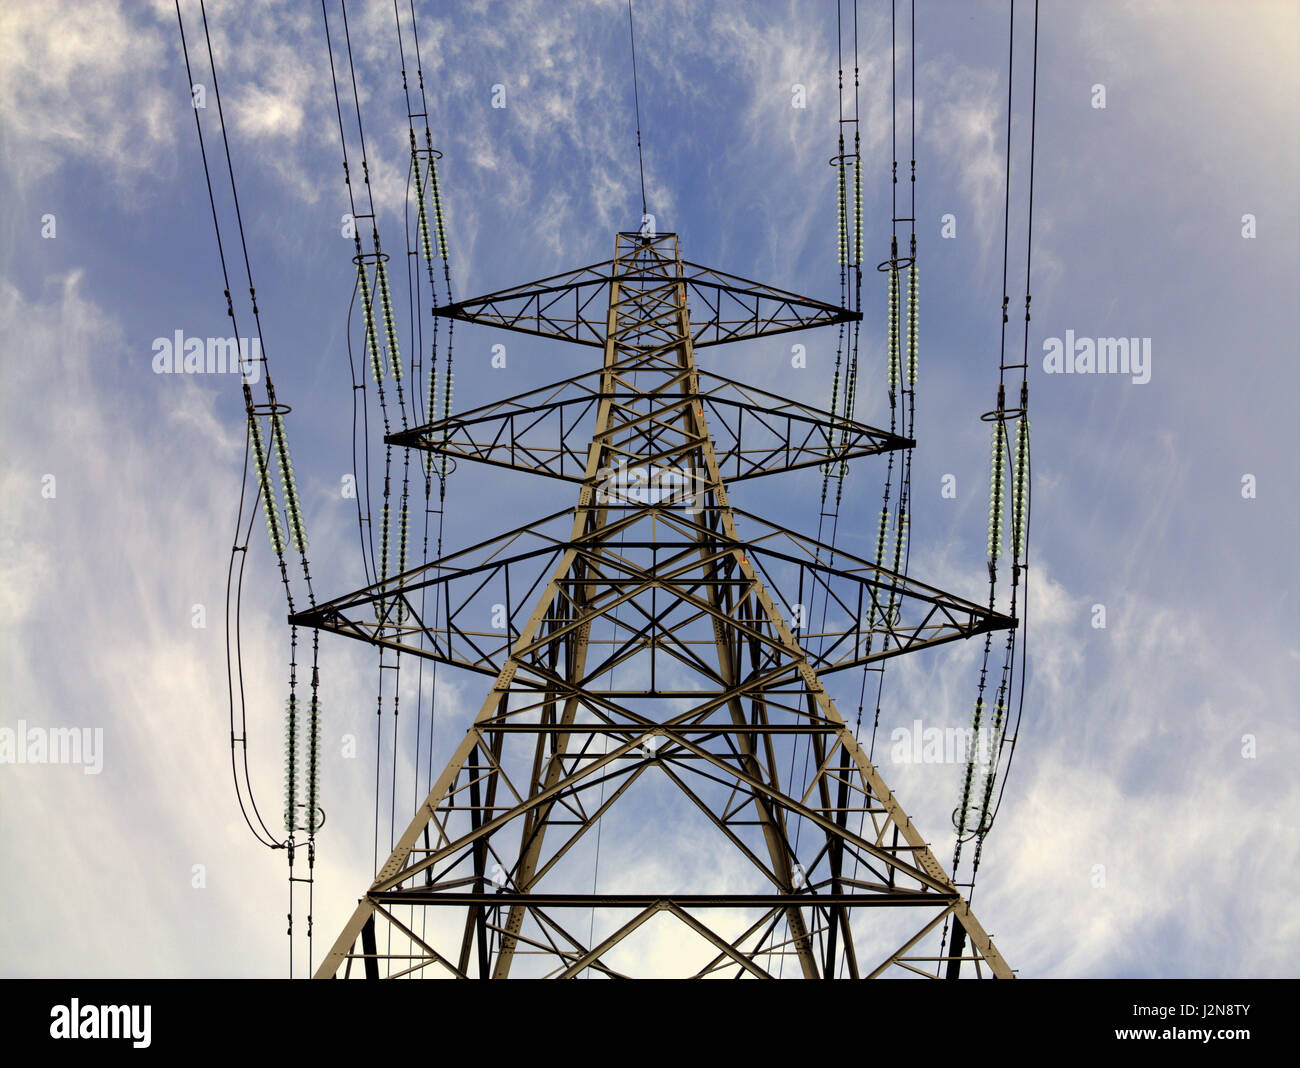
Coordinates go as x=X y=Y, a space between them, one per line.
x=722 y=307
x=754 y=432
x=654 y=674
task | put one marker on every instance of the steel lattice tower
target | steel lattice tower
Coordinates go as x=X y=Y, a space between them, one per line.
x=655 y=653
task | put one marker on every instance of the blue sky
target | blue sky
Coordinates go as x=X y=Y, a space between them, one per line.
x=1131 y=749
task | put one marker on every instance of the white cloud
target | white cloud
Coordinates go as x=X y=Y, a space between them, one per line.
x=71 y=90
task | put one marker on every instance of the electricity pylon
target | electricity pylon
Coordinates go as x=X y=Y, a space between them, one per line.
x=656 y=671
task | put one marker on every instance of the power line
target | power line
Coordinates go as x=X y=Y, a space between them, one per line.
x=636 y=100
x=278 y=448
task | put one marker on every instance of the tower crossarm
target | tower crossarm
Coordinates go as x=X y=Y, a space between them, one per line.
x=755 y=433
x=486 y=595
x=722 y=307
